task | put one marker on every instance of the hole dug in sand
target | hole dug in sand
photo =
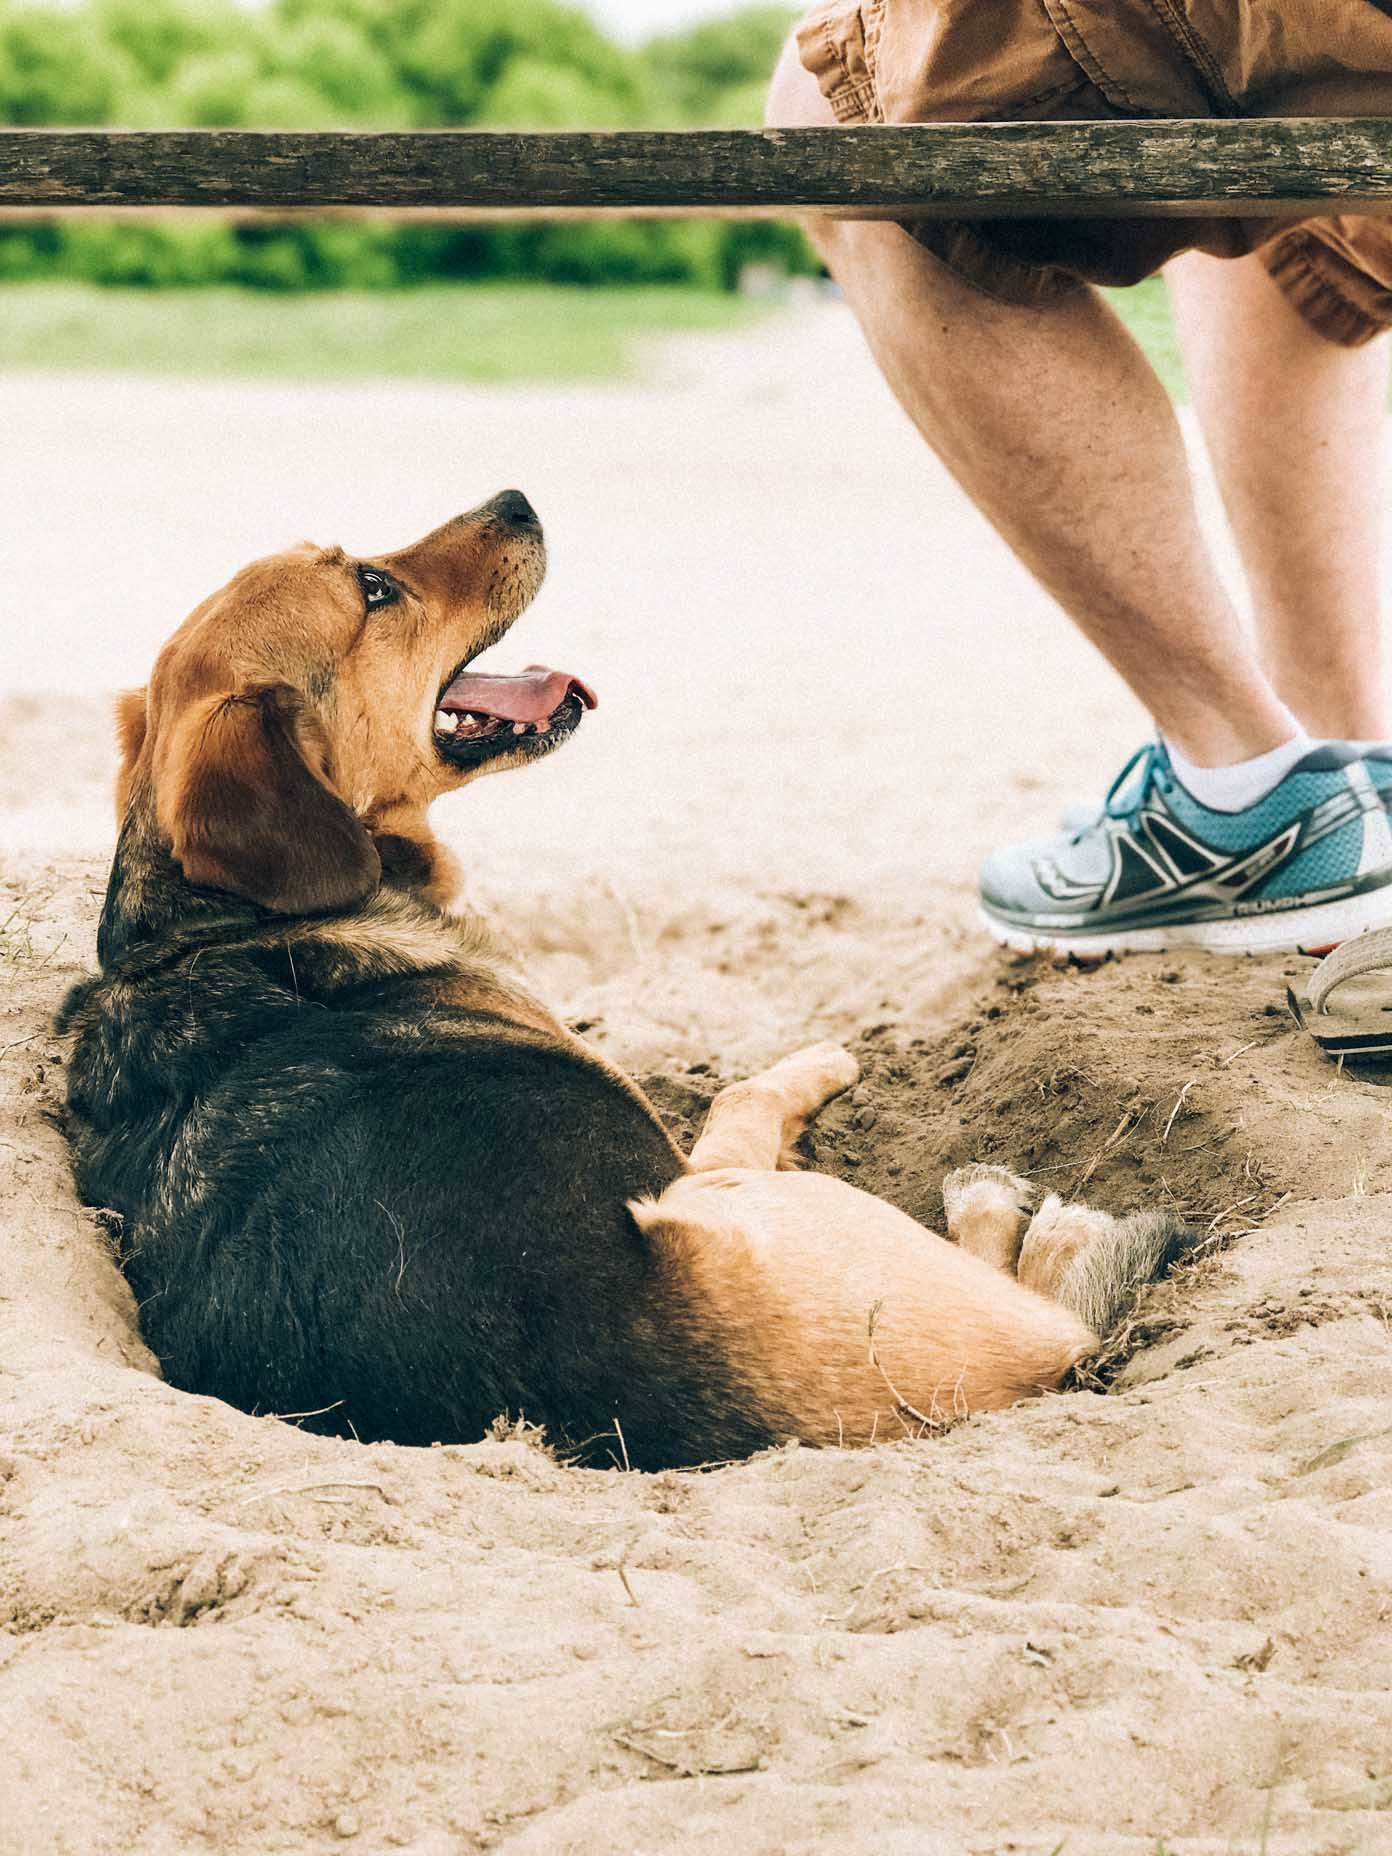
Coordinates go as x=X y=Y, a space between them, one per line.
x=1176 y=1082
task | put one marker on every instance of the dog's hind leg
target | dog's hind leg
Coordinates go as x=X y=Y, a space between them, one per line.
x=843 y=1319
x=756 y=1124
x=986 y=1209
x=1095 y=1264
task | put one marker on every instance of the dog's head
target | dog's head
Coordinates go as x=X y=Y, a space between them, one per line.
x=301 y=720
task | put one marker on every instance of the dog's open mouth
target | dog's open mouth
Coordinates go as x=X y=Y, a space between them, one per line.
x=477 y=716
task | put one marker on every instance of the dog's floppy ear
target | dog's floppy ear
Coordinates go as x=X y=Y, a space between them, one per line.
x=130 y=739
x=244 y=792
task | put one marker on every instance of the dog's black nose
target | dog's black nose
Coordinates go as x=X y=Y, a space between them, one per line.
x=512 y=506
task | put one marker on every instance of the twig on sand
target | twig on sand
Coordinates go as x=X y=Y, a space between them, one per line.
x=1179 y=1104
x=54 y=951
x=289 y=1417
x=618 y=1432
x=310 y=1488
x=1240 y=1205
x=1231 y=1211
x=677 y=1761
x=1131 y=1118
x=902 y=1407
x=1233 y=1056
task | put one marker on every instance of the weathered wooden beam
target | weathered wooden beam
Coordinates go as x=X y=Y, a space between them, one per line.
x=944 y=170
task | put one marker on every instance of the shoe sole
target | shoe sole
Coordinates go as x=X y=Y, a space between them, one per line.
x=1288 y=931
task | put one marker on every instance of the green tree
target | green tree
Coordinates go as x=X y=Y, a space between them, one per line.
x=459 y=52
x=57 y=67
x=339 y=60
x=698 y=67
x=229 y=90
x=156 y=35
x=531 y=94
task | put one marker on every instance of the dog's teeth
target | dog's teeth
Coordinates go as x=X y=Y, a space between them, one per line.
x=445 y=722
x=519 y=728
x=544 y=727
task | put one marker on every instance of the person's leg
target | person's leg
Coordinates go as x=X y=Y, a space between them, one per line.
x=1294 y=425
x=1058 y=429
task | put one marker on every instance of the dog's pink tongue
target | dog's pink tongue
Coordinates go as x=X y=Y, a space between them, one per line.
x=530 y=697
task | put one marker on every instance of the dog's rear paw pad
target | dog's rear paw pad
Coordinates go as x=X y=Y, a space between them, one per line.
x=839 y=1068
x=983 y=1180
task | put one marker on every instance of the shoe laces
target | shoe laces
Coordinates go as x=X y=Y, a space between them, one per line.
x=1147 y=771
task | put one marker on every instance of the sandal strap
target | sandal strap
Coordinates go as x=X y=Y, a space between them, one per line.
x=1365 y=953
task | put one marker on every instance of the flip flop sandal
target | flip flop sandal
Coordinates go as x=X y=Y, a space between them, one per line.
x=1346 y=1002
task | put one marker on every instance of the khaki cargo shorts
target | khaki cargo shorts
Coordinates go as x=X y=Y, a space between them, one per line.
x=1051 y=60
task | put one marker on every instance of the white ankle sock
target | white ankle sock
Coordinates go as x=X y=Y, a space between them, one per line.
x=1232 y=789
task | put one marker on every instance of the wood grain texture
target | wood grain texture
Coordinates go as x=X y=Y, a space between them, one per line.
x=946 y=170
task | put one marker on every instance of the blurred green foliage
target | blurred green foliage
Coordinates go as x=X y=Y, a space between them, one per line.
x=315 y=64
x=489 y=333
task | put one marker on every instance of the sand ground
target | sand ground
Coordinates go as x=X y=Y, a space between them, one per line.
x=1154 y=1613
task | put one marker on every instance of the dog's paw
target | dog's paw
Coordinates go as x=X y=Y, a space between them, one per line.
x=986 y=1183
x=817 y=1072
x=986 y=1208
x=839 y=1069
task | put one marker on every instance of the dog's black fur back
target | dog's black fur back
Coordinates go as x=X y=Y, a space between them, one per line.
x=345 y=1197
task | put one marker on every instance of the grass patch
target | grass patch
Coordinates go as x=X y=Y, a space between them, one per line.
x=490 y=334
x=1145 y=310
x=487 y=333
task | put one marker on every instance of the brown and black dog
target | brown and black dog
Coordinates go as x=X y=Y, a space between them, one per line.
x=363 y=1174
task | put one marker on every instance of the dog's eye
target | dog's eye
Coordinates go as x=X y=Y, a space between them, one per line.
x=378 y=589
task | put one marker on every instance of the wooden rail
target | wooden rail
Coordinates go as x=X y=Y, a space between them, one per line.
x=1245 y=167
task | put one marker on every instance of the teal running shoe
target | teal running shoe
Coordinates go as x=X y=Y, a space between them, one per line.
x=1306 y=867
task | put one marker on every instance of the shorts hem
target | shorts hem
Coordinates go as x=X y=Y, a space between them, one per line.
x=1344 y=300
x=1296 y=264
x=836 y=44
x=1005 y=279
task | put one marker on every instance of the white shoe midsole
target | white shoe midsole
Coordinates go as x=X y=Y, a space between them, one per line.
x=1286 y=931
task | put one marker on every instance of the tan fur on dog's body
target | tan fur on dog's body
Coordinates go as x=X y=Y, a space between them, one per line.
x=848 y=1315
x=284 y=754
x=856 y=1320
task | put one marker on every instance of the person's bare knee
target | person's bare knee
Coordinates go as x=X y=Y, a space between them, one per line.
x=795 y=101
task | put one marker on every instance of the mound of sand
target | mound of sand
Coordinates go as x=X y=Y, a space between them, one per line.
x=1151 y=1611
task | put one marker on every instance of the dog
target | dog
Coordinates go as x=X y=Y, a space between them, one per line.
x=362 y=1174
